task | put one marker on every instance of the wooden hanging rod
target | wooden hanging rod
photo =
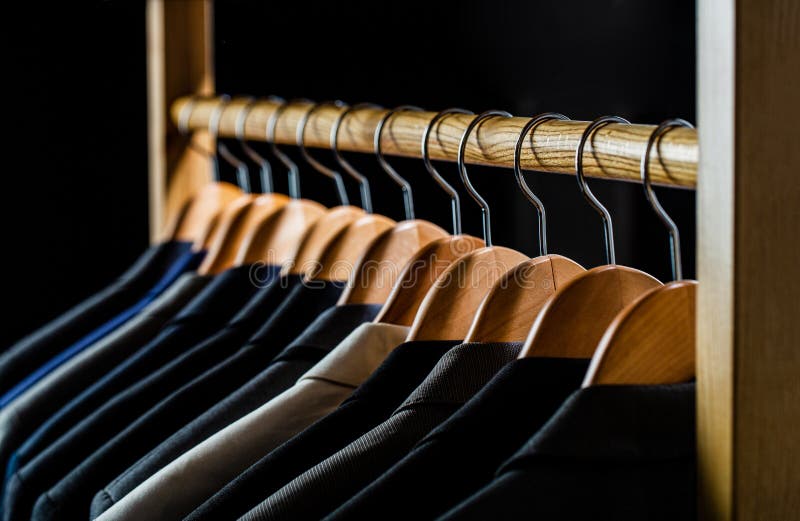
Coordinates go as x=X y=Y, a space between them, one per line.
x=614 y=152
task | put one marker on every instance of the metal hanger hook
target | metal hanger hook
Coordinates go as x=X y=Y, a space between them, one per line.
x=363 y=182
x=608 y=227
x=526 y=190
x=293 y=171
x=455 y=200
x=242 y=171
x=183 y=128
x=408 y=196
x=674 y=234
x=265 y=168
x=319 y=167
x=462 y=169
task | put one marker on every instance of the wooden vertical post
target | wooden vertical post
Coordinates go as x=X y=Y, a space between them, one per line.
x=179 y=62
x=749 y=259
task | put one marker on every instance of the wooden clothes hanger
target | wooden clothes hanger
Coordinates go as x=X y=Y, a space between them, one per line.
x=430 y=262
x=450 y=305
x=300 y=234
x=574 y=319
x=198 y=218
x=379 y=267
x=507 y=312
x=333 y=258
x=249 y=211
x=652 y=340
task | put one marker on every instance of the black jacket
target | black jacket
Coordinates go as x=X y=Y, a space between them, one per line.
x=461 y=373
x=463 y=453
x=303 y=353
x=30 y=352
x=370 y=404
x=108 y=406
x=610 y=453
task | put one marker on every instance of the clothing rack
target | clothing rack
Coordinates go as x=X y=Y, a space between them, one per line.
x=615 y=150
x=748 y=253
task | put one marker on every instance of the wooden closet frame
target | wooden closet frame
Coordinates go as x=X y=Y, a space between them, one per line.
x=748 y=210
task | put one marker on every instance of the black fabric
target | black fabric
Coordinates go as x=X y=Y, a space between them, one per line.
x=458 y=376
x=486 y=431
x=128 y=391
x=305 y=351
x=150 y=423
x=610 y=452
x=27 y=354
x=370 y=404
x=24 y=415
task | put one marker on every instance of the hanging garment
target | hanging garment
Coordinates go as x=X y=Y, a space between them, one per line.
x=27 y=412
x=184 y=484
x=459 y=375
x=611 y=452
x=489 y=429
x=370 y=404
x=29 y=353
x=72 y=434
x=186 y=262
x=298 y=310
x=73 y=494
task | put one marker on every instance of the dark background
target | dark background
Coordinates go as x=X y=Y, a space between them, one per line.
x=75 y=205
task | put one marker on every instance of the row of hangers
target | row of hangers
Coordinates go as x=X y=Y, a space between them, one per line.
x=635 y=329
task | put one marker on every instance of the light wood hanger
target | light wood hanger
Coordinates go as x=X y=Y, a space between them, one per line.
x=249 y=212
x=452 y=302
x=507 y=312
x=199 y=216
x=298 y=228
x=419 y=275
x=320 y=237
x=328 y=246
x=652 y=341
x=429 y=263
x=378 y=269
x=574 y=319
x=339 y=261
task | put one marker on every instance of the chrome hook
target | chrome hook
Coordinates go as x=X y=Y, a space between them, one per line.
x=672 y=228
x=319 y=167
x=526 y=190
x=608 y=226
x=455 y=200
x=293 y=171
x=363 y=182
x=462 y=169
x=408 y=197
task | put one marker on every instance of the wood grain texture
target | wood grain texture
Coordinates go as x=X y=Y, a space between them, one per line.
x=340 y=259
x=320 y=238
x=749 y=260
x=512 y=304
x=451 y=303
x=179 y=63
x=420 y=274
x=651 y=341
x=572 y=322
x=614 y=151
x=276 y=238
x=378 y=269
